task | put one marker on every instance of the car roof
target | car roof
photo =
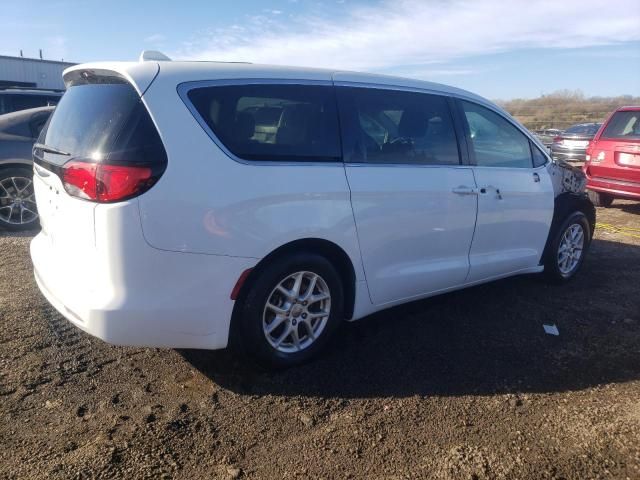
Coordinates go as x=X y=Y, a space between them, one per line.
x=629 y=108
x=141 y=74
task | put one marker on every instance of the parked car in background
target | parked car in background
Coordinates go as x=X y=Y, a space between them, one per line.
x=613 y=158
x=571 y=144
x=221 y=202
x=547 y=135
x=18 y=132
x=13 y=99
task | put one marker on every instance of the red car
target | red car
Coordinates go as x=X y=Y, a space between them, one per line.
x=613 y=158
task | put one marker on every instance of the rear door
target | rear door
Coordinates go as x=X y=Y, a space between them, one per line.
x=515 y=195
x=413 y=200
x=93 y=124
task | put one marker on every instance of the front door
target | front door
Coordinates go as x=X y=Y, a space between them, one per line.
x=515 y=195
x=412 y=199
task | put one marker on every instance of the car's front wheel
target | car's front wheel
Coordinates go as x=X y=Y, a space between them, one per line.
x=566 y=254
x=18 y=209
x=292 y=307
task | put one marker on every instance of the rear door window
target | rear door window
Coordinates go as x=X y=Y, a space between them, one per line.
x=272 y=122
x=623 y=126
x=397 y=127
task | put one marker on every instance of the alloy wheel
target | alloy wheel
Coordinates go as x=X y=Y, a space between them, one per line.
x=17 y=201
x=296 y=312
x=570 y=248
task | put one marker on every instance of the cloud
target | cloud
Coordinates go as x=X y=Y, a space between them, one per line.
x=411 y=32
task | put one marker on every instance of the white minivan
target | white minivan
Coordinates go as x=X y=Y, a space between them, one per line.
x=191 y=204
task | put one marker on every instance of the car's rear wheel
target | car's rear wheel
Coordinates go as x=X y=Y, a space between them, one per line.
x=290 y=310
x=566 y=254
x=18 y=209
x=600 y=199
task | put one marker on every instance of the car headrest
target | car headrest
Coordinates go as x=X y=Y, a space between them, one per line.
x=413 y=123
x=244 y=127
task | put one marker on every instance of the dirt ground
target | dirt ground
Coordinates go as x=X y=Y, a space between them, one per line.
x=462 y=386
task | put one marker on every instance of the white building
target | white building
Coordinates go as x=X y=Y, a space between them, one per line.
x=31 y=72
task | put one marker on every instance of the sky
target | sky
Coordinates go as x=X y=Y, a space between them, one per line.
x=500 y=49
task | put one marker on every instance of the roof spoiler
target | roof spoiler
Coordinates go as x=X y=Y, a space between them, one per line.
x=153 y=55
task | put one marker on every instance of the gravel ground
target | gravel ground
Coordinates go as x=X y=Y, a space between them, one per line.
x=462 y=386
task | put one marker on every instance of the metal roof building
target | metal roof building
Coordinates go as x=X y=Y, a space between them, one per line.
x=31 y=72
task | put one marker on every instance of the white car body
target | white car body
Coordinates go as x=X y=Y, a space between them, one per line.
x=159 y=269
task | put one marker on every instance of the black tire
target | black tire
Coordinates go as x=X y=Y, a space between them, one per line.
x=552 y=270
x=252 y=339
x=5 y=174
x=600 y=199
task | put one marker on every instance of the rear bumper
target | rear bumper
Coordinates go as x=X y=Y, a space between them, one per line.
x=576 y=155
x=616 y=188
x=133 y=294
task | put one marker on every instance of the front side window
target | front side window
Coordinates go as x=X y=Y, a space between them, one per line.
x=539 y=158
x=272 y=122
x=395 y=127
x=495 y=142
x=623 y=126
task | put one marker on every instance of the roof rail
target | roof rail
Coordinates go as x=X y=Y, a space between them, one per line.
x=153 y=55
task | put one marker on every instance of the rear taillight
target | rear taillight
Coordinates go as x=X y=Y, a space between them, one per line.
x=105 y=183
x=557 y=139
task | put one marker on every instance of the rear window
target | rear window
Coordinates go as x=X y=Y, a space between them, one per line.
x=272 y=122
x=623 y=126
x=104 y=123
x=583 y=129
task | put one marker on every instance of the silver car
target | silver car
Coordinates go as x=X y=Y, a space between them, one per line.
x=18 y=132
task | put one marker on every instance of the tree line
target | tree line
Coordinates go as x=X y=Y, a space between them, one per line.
x=564 y=108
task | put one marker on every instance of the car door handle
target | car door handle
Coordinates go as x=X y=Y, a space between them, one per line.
x=536 y=177
x=464 y=190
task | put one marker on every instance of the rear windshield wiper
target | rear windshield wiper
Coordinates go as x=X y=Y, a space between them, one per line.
x=48 y=149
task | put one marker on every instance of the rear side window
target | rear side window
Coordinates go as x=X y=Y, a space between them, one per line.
x=103 y=123
x=495 y=142
x=396 y=127
x=272 y=122
x=623 y=126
